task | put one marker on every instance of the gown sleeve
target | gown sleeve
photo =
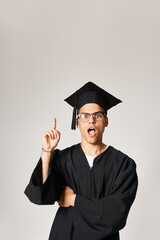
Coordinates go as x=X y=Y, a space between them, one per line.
x=100 y=218
x=49 y=191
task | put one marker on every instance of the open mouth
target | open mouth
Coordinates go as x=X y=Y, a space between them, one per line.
x=91 y=131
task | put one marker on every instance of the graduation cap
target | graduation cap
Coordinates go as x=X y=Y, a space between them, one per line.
x=90 y=93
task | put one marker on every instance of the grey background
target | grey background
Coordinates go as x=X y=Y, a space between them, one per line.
x=48 y=49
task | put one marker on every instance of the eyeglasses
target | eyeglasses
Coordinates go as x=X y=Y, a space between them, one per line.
x=96 y=115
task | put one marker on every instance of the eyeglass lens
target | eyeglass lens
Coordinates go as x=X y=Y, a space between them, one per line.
x=97 y=115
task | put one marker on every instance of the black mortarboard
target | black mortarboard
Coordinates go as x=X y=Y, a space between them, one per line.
x=90 y=93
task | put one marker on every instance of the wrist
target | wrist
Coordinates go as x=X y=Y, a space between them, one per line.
x=47 y=150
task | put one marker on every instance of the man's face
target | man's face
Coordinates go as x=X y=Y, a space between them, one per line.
x=94 y=136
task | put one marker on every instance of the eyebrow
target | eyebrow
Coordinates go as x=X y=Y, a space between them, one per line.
x=92 y=113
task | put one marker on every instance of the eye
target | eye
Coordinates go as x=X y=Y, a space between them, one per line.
x=83 y=115
x=98 y=115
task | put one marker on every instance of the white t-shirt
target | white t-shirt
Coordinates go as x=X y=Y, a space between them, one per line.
x=91 y=158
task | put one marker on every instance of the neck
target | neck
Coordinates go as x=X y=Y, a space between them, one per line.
x=93 y=149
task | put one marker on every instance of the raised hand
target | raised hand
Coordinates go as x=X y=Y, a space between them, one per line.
x=51 y=138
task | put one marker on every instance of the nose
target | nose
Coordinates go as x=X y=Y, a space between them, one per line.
x=91 y=118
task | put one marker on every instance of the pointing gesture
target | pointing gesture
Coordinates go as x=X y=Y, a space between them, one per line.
x=51 y=138
x=54 y=123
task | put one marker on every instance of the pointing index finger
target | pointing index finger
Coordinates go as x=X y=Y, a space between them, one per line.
x=54 y=123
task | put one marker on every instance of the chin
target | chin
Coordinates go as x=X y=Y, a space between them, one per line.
x=92 y=140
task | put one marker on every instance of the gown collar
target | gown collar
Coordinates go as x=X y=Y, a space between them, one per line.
x=83 y=158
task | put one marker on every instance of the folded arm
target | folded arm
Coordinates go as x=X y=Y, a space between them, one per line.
x=103 y=217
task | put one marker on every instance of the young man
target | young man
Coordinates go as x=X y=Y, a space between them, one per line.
x=93 y=183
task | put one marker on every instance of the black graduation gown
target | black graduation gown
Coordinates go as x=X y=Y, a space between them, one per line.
x=105 y=193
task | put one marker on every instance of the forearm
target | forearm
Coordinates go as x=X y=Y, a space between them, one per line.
x=38 y=192
x=45 y=156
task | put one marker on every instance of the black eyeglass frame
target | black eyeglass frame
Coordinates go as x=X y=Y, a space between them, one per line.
x=89 y=114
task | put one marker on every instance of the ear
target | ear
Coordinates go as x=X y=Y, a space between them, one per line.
x=106 y=121
x=77 y=123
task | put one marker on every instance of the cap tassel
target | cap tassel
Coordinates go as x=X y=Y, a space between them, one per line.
x=74 y=119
